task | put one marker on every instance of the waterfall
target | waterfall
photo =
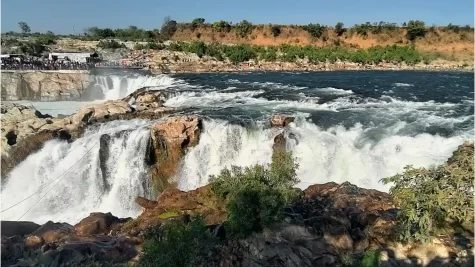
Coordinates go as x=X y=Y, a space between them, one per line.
x=113 y=87
x=336 y=154
x=104 y=172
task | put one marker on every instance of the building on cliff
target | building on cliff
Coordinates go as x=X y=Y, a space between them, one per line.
x=81 y=57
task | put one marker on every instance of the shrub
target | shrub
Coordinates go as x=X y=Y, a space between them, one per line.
x=256 y=195
x=435 y=199
x=415 y=28
x=275 y=30
x=315 y=30
x=176 y=244
x=111 y=44
x=339 y=29
x=196 y=23
x=239 y=53
x=244 y=28
x=222 y=26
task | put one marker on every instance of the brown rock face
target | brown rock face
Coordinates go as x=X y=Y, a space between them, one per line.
x=175 y=203
x=170 y=138
x=280 y=120
x=51 y=232
x=96 y=223
x=99 y=111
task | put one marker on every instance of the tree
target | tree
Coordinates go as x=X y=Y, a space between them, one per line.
x=244 y=28
x=315 y=30
x=415 y=28
x=435 y=199
x=24 y=27
x=339 y=30
x=197 y=22
x=168 y=28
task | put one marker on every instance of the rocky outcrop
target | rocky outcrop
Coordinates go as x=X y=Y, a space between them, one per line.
x=24 y=129
x=44 y=85
x=97 y=223
x=280 y=120
x=170 y=139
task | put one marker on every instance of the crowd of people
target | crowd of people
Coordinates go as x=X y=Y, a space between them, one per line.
x=9 y=64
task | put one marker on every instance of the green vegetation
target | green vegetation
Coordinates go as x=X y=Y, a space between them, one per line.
x=315 y=30
x=255 y=196
x=149 y=45
x=127 y=34
x=244 y=28
x=176 y=244
x=197 y=22
x=168 y=28
x=110 y=44
x=275 y=30
x=222 y=26
x=415 y=28
x=435 y=200
x=24 y=27
x=339 y=28
x=290 y=53
x=169 y=214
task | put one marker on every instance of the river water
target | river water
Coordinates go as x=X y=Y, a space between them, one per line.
x=356 y=126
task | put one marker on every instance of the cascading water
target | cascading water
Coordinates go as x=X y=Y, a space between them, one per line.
x=105 y=175
x=116 y=86
x=336 y=154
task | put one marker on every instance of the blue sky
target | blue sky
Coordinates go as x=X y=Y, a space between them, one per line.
x=62 y=16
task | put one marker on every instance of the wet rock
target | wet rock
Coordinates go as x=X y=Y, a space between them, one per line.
x=280 y=143
x=170 y=139
x=96 y=223
x=93 y=112
x=280 y=120
x=34 y=241
x=51 y=232
x=14 y=228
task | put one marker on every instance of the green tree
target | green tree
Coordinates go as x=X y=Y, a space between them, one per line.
x=244 y=28
x=24 y=27
x=222 y=26
x=415 y=28
x=339 y=28
x=169 y=28
x=315 y=30
x=431 y=200
x=256 y=195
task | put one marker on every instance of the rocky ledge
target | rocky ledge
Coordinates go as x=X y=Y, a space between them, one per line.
x=328 y=223
x=24 y=129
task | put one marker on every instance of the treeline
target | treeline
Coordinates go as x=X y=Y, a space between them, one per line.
x=291 y=53
x=414 y=29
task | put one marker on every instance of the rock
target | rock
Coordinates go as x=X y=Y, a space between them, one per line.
x=100 y=111
x=13 y=228
x=145 y=203
x=51 y=232
x=170 y=138
x=280 y=143
x=96 y=223
x=43 y=86
x=280 y=120
x=34 y=241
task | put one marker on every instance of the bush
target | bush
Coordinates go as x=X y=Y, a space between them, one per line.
x=176 y=244
x=415 y=28
x=111 y=44
x=432 y=200
x=244 y=28
x=275 y=30
x=196 y=23
x=256 y=195
x=222 y=26
x=315 y=30
x=339 y=29
x=239 y=53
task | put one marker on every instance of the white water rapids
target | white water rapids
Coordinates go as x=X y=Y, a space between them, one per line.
x=336 y=153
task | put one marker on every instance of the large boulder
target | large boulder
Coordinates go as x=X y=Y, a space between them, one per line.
x=97 y=223
x=13 y=228
x=96 y=112
x=52 y=232
x=170 y=139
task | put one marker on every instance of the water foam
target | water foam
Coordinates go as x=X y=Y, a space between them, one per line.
x=336 y=154
x=335 y=91
x=116 y=87
x=83 y=189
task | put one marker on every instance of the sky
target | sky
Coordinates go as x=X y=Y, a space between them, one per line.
x=73 y=16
